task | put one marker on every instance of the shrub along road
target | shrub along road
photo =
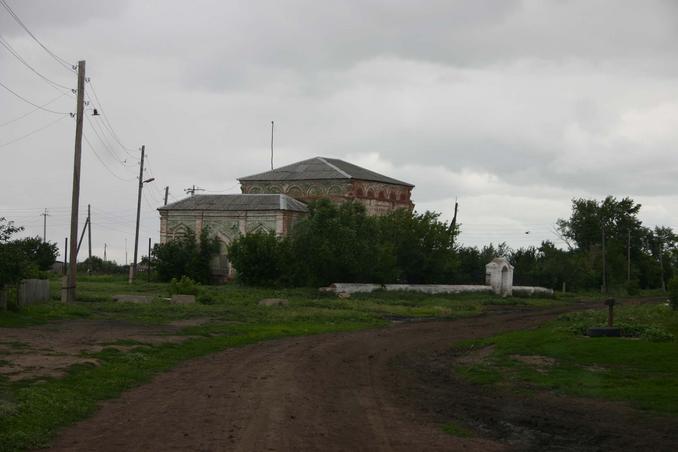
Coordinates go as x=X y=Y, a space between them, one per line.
x=384 y=389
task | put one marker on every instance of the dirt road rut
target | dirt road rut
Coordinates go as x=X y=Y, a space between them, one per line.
x=318 y=393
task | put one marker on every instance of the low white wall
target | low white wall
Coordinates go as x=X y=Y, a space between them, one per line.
x=530 y=290
x=422 y=288
x=350 y=288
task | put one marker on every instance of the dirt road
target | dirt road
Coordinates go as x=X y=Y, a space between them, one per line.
x=378 y=390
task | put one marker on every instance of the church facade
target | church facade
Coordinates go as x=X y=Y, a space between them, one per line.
x=275 y=200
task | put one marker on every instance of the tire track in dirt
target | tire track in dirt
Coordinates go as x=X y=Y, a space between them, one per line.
x=333 y=392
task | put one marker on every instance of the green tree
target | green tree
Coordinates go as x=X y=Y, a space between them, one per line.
x=14 y=264
x=261 y=258
x=424 y=246
x=187 y=256
x=43 y=254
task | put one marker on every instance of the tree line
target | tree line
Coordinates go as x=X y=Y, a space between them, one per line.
x=605 y=244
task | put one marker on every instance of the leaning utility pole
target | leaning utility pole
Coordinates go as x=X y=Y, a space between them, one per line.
x=133 y=268
x=44 y=225
x=166 y=194
x=71 y=278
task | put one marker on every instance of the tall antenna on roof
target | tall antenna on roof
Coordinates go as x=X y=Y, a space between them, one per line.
x=272 y=123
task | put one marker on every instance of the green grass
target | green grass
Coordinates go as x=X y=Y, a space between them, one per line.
x=455 y=429
x=31 y=411
x=641 y=369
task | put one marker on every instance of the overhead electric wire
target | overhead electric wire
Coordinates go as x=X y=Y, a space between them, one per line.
x=106 y=146
x=33 y=132
x=33 y=103
x=31 y=112
x=108 y=123
x=58 y=86
x=56 y=57
x=102 y=162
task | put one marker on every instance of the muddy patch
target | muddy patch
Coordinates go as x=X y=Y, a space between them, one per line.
x=540 y=363
x=49 y=350
x=475 y=356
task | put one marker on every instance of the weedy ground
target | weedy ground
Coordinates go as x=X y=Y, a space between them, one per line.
x=640 y=368
x=96 y=348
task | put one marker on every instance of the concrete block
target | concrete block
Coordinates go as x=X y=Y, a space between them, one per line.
x=182 y=299
x=273 y=302
x=141 y=299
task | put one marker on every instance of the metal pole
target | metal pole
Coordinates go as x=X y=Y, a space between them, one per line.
x=272 y=124
x=133 y=268
x=71 y=279
x=166 y=193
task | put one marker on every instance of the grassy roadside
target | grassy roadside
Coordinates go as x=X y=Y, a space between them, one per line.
x=641 y=368
x=31 y=411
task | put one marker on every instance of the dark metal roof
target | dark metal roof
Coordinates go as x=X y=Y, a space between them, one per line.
x=238 y=202
x=322 y=168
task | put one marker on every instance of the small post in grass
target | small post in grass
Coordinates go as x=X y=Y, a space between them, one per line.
x=607 y=331
x=610 y=312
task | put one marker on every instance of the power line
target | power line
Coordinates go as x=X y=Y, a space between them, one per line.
x=33 y=132
x=33 y=103
x=22 y=60
x=116 y=157
x=108 y=123
x=32 y=111
x=102 y=162
x=57 y=58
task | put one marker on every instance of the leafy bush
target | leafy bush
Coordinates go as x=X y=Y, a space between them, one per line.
x=673 y=292
x=344 y=244
x=260 y=258
x=633 y=287
x=205 y=297
x=186 y=256
x=184 y=286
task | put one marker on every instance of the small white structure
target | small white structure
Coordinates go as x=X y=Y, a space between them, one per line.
x=499 y=275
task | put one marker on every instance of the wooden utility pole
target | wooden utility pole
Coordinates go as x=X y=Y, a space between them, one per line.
x=65 y=255
x=272 y=124
x=192 y=190
x=44 y=225
x=149 y=259
x=604 y=288
x=71 y=280
x=105 y=246
x=166 y=194
x=133 y=268
x=82 y=237
x=89 y=233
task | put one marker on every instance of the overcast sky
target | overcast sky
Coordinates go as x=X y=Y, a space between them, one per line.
x=513 y=107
